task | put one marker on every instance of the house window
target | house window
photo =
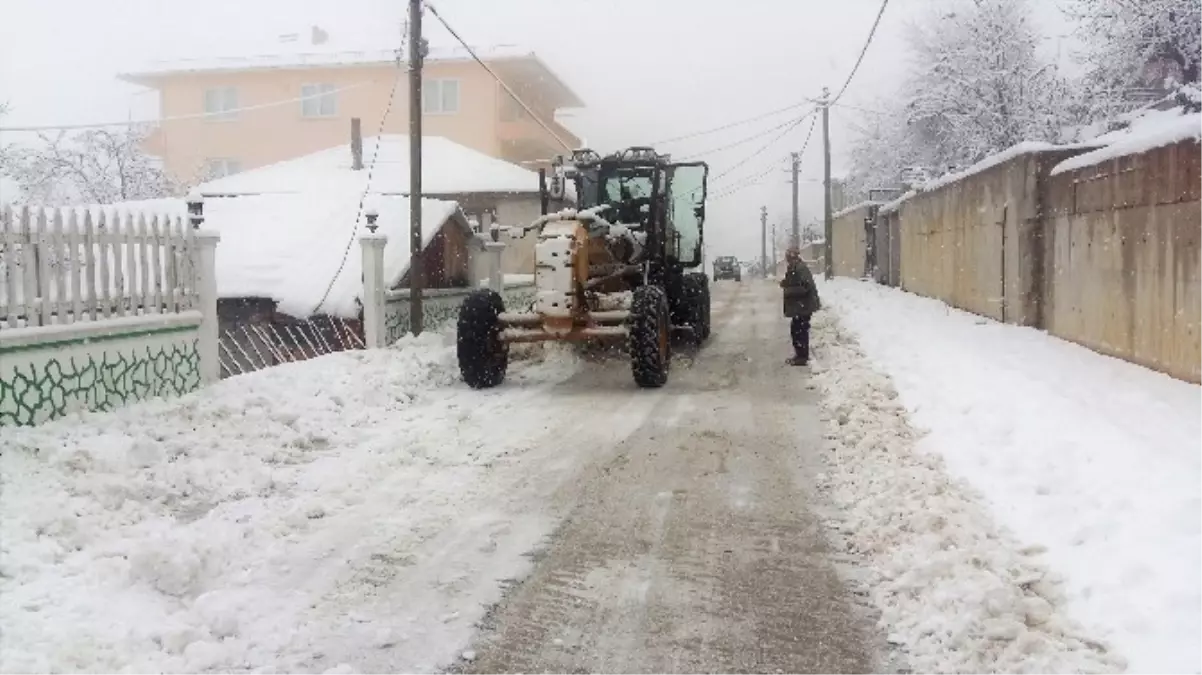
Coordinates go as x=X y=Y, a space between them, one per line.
x=319 y=100
x=440 y=97
x=221 y=103
x=219 y=167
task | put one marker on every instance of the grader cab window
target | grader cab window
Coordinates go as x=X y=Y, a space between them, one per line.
x=686 y=191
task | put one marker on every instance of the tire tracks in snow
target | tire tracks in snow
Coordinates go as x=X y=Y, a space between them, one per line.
x=689 y=547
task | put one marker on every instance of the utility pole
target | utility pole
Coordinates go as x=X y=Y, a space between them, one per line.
x=774 y=260
x=416 y=276
x=827 y=262
x=796 y=240
x=764 y=241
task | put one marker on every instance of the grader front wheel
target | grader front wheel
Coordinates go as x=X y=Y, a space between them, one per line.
x=650 y=352
x=483 y=356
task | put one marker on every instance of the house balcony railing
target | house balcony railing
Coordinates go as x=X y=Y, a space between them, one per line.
x=527 y=129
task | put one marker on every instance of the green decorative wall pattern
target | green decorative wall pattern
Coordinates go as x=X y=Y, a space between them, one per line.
x=101 y=378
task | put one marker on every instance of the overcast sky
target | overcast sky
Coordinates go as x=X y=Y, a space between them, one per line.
x=646 y=69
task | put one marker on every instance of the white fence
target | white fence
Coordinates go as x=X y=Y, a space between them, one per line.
x=60 y=266
x=99 y=308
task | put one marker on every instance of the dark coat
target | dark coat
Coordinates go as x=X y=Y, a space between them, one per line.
x=801 y=294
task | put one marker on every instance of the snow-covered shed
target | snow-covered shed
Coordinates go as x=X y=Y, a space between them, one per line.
x=486 y=189
x=302 y=251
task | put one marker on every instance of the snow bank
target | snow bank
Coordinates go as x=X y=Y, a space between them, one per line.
x=1093 y=458
x=1163 y=129
x=955 y=593
x=342 y=511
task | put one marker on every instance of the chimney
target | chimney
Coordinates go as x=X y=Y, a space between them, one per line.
x=356 y=145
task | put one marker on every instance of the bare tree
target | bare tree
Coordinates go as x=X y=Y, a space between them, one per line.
x=96 y=166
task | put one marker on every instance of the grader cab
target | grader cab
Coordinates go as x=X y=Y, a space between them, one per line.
x=619 y=267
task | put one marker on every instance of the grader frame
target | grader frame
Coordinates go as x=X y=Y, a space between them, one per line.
x=615 y=268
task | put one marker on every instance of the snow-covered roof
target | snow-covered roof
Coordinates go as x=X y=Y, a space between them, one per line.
x=448 y=168
x=331 y=56
x=316 y=57
x=288 y=247
x=1151 y=131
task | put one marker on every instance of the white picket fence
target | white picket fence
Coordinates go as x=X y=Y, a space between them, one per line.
x=62 y=266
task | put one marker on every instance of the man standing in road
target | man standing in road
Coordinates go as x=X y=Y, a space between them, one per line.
x=801 y=301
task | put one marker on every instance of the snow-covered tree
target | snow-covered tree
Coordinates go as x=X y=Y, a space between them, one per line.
x=880 y=151
x=95 y=166
x=975 y=85
x=3 y=154
x=1133 y=44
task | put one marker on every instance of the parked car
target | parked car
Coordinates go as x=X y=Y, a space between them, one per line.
x=727 y=267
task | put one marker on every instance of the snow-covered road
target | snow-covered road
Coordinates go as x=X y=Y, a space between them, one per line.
x=694 y=545
x=367 y=512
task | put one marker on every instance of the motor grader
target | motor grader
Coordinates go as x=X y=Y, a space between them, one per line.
x=617 y=268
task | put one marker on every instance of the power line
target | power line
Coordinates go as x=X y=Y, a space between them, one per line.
x=863 y=51
x=730 y=125
x=370 y=172
x=744 y=183
x=805 y=144
x=190 y=116
x=754 y=179
x=739 y=142
x=793 y=125
x=496 y=77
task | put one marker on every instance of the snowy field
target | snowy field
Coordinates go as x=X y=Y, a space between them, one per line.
x=357 y=511
x=1046 y=500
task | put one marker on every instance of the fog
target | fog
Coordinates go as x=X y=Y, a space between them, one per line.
x=646 y=69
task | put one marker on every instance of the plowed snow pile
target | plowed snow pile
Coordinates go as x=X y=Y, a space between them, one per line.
x=354 y=509
x=956 y=593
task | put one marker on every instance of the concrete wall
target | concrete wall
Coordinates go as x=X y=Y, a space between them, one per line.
x=1106 y=256
x=977 y=243
x=849 y=242
x=1123 y=246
